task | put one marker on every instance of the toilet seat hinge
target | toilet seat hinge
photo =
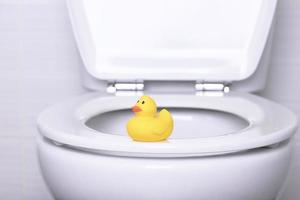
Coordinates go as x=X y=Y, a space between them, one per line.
x=211 y=89
x=125 y=88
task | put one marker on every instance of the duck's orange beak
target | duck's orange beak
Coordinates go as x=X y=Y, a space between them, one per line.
x=136 y=109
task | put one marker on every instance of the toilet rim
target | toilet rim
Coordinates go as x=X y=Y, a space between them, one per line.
x=269 y=124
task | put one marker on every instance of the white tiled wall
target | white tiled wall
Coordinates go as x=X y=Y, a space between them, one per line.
x=284 y=79
x=39 y=66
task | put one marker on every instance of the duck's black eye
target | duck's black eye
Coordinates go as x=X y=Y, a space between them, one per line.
x=143 y=102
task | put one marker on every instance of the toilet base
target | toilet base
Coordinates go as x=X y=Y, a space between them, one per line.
x=253 y=175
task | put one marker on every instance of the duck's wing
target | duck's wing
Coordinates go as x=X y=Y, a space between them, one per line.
x=165 y=116
x=162 y=122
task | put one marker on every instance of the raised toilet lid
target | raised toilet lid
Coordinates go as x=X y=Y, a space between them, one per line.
x=139 y=39
x=269 y=123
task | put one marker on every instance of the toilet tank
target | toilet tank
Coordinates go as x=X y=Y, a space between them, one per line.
x=174 y=40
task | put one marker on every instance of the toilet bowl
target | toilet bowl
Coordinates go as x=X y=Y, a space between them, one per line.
x=228 y=143
x=247 y=158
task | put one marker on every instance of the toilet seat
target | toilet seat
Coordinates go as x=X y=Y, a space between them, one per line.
x=269 y=124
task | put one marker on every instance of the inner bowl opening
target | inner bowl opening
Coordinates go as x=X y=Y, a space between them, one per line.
x=188 y=123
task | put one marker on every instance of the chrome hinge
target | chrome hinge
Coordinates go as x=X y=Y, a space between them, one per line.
x=211 y=89
x=125 y=88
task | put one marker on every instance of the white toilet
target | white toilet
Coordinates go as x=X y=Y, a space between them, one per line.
x=202 y=60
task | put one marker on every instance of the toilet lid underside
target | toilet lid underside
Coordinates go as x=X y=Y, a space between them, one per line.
x=269 y=123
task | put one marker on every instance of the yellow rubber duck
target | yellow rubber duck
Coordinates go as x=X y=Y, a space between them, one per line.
x=147 y=125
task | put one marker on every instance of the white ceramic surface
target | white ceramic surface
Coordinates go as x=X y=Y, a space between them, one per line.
x=254 y=175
